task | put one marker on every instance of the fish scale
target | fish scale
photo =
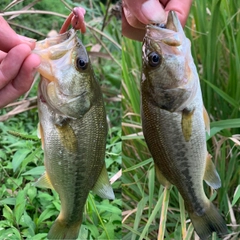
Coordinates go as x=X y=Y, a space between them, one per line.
x=73 y=129
x=174 y=121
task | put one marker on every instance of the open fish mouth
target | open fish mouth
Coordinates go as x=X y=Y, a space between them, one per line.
x=55 y=52
x=170 y=33
x=54 y=41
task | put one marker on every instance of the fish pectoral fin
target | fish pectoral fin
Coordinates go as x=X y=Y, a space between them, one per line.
x=161 y=178
x=206 y=120
x=43 y=182
x=103 y=187
x=211 y=176
x=187 y=115
x=40 y=134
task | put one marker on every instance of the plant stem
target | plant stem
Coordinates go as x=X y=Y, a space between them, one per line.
x=163 y=217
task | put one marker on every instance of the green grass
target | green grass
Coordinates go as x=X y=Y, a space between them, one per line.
x=149 y=211
x=28 y=212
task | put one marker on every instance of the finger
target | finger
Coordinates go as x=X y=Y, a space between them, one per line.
x=145 y=11
x=182 y=9
x=26 y=74
x=2 y=56
x=12 y=63
x=131 y=19
x=131 y=32
x=9 y=39
x=21 y=83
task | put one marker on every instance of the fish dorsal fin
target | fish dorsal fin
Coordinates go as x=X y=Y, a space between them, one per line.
x=187 y=115
x=43 y=182
x=211 y=176
x=102 y=187
x=161 y=178
x=206 y=120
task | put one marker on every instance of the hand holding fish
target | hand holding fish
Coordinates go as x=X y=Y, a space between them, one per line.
x=138 y=13
x=17 y=63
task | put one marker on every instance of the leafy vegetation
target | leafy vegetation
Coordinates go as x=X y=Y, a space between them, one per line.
x=28 y=212
x=149 y=210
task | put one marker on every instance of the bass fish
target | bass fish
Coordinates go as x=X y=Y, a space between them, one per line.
x=174 y=122
x=73 y=130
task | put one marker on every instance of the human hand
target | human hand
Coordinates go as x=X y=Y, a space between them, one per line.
x=17 y=64
x=138 y=13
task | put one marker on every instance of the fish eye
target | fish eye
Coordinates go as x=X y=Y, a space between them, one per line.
x=154 y=59
x=81 y=64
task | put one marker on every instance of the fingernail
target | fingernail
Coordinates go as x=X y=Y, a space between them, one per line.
x=153 y=11
x=27 y=39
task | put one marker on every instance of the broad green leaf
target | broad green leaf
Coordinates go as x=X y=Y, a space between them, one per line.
x=20 y=205
x=8 y=201
x=47 y=213
x=29 y=223
x=39 y=236
x=32 y=193
x=31 y=157
x=8 y=214
x=18 y=157
x=35 y=171
x=83 y=233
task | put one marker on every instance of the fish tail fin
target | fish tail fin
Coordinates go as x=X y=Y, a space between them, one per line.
x=60 y=230
x=208 y=223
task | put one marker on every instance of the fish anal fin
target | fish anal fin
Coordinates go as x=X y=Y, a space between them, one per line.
x=103 y=187
x=187 y=116
x=161 y=178
x=211 y=176
x=43 y=182
x=206 y=120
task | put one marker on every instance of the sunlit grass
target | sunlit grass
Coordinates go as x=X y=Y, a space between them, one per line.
x=28 y=212
x=214 y=31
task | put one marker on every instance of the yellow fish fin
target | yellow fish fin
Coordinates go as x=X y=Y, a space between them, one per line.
x=102 y=187
x=40 y=134
x=206 y=120
x=60 y=230
x=68 y=138
x=187 y=116
x=211 y=176
x=43 y=182
x=161 y=178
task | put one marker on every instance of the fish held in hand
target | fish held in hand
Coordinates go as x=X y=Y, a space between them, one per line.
x=73 y=130
x=174 y=122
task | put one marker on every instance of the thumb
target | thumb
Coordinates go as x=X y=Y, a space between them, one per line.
x=9 y=39
x=153 y=11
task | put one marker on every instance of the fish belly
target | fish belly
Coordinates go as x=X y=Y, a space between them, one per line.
x=181 y=162
x=74 y=152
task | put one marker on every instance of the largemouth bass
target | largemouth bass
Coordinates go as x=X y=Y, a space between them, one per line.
x=73 y=130
x=174 y=122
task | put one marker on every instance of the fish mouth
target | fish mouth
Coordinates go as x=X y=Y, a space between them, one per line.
x=52 y=51
x=170 y=33
x=171 y=24
x=54 y=41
